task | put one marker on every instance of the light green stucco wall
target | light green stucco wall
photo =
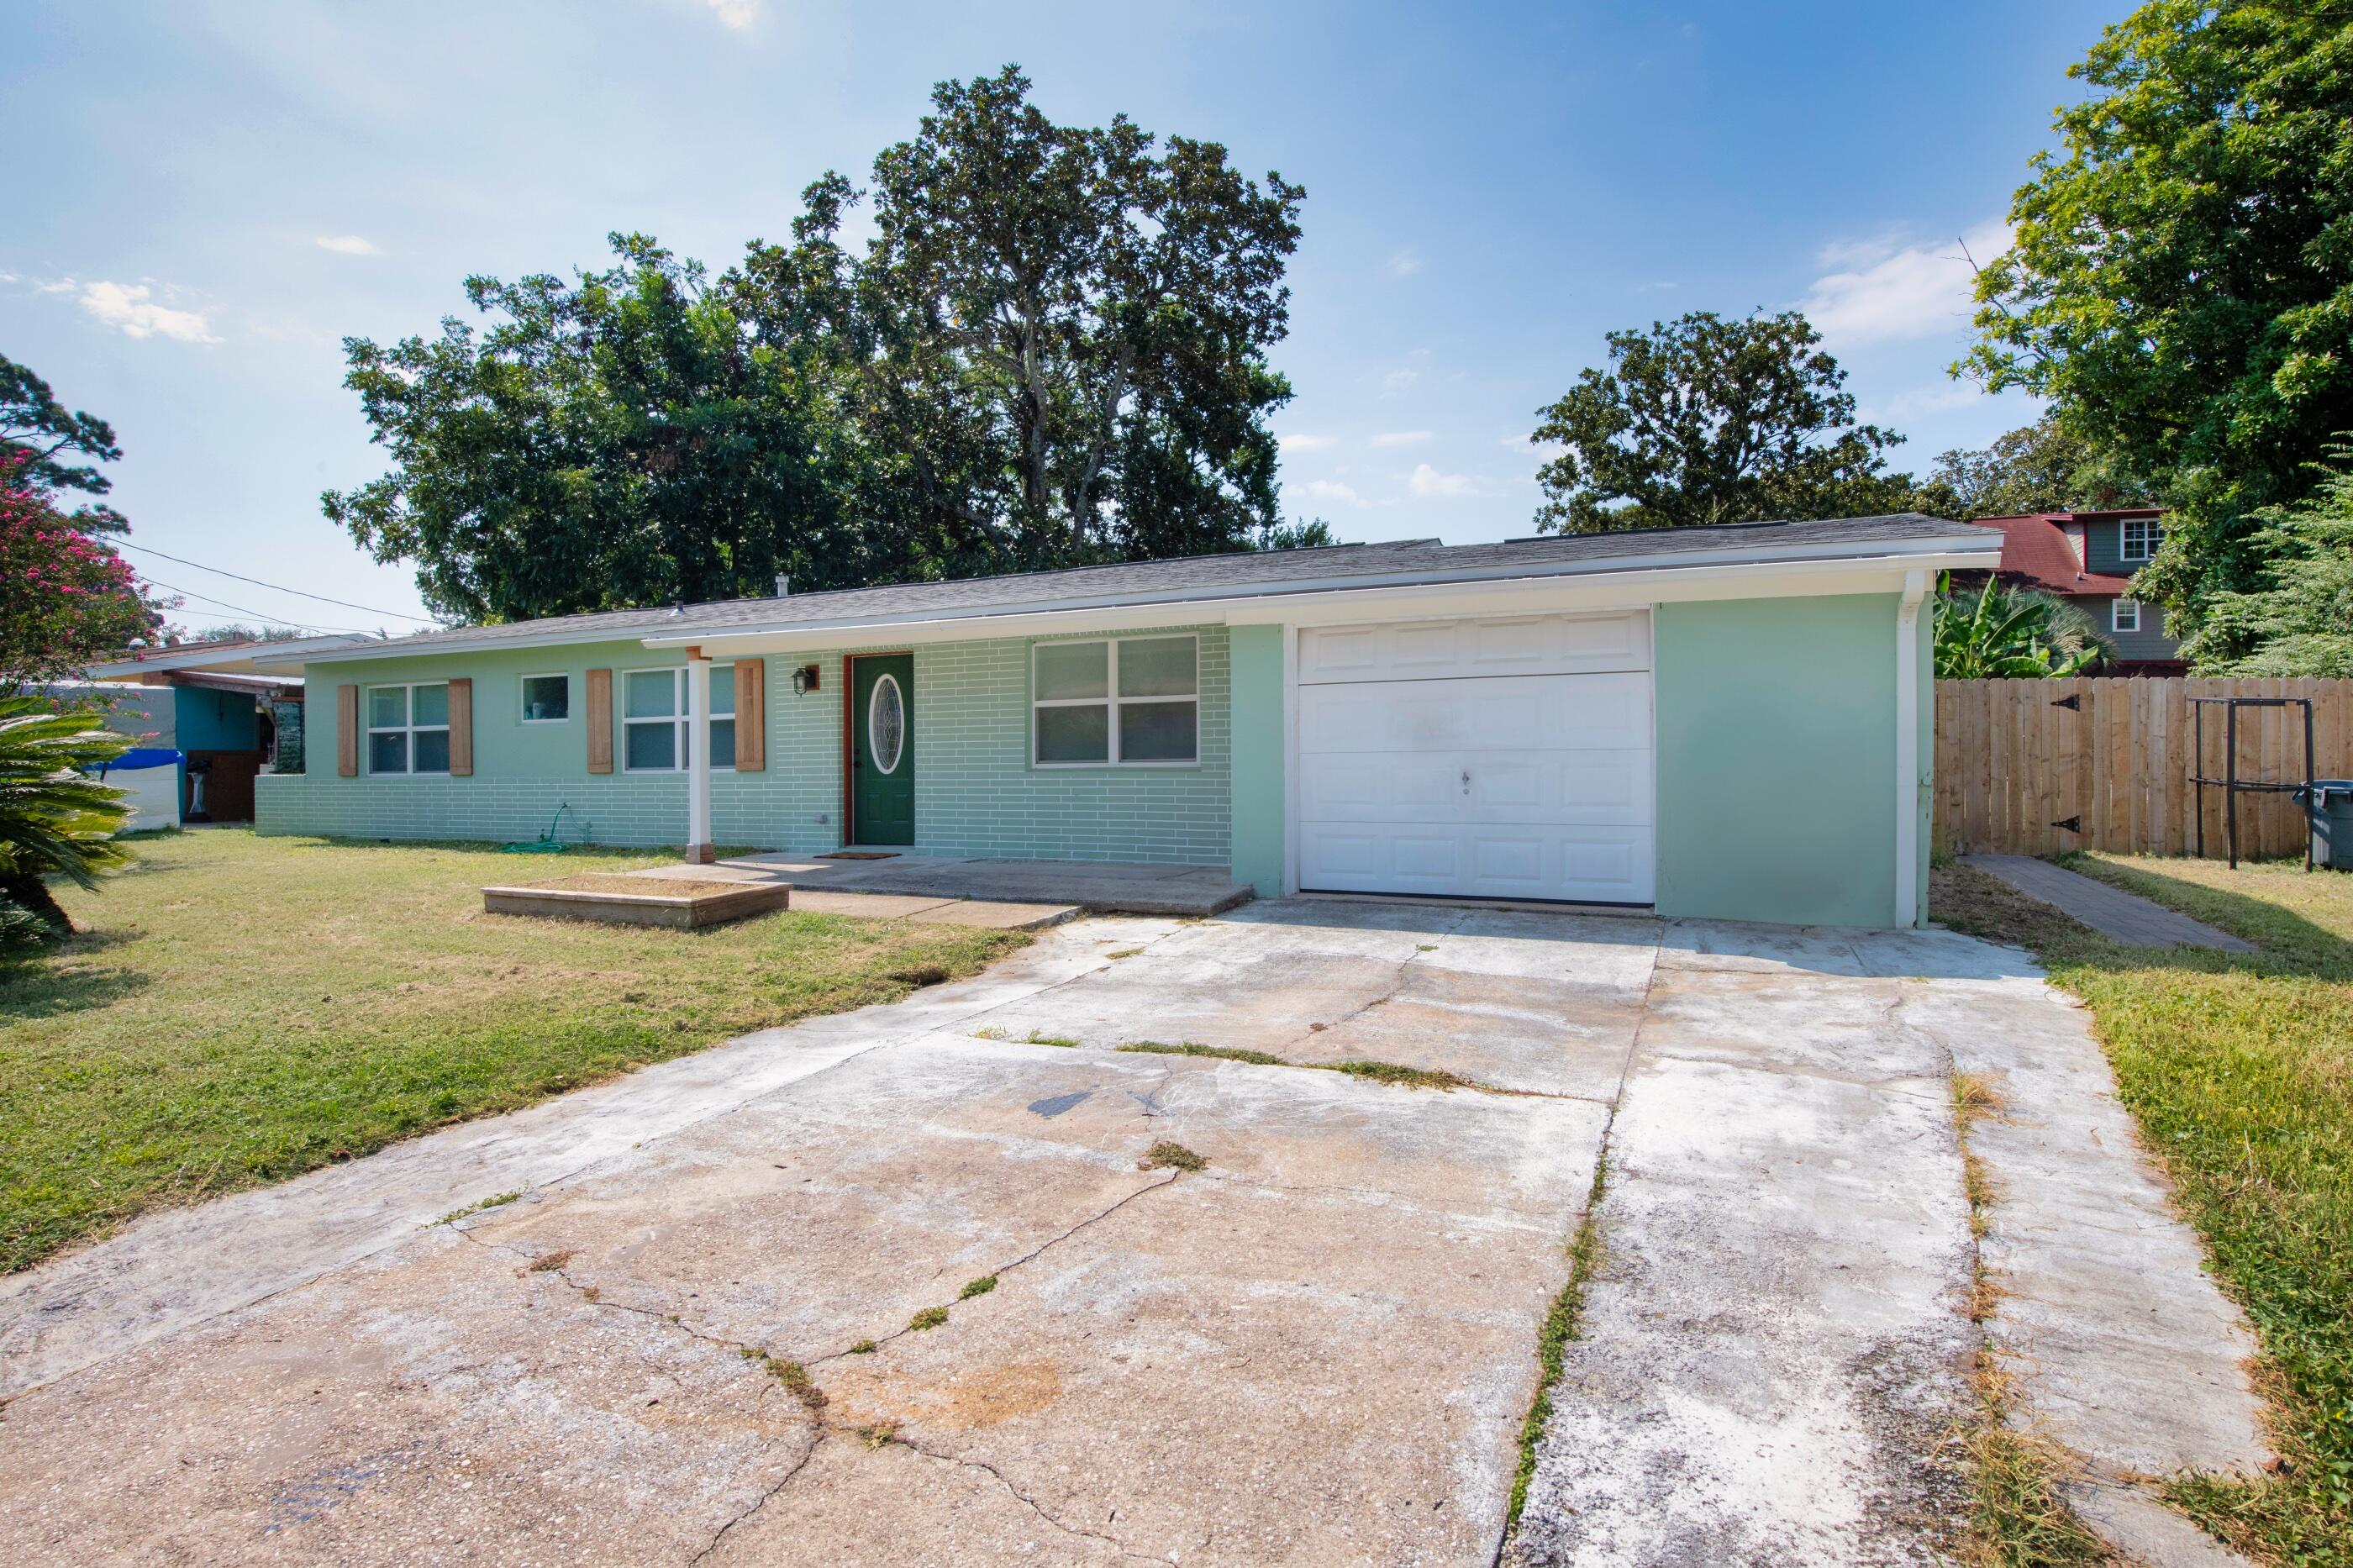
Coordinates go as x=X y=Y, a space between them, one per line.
x=1258 y=758
x=1777 y=759
x=975 y=793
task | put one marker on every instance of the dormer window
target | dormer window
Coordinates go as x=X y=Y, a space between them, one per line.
x=2142 y=536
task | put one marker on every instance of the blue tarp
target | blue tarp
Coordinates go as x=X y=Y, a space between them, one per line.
x=144 y=757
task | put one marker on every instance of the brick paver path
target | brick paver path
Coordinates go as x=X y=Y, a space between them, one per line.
x=2127 y=917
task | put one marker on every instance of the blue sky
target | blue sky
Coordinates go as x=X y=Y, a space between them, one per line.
x=223 y=192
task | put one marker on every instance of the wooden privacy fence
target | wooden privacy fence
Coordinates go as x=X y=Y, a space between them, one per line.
x=2032 y=767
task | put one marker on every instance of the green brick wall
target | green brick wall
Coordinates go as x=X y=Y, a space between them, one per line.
x=975 y=793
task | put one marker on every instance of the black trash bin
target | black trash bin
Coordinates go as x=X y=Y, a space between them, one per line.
x=2329 y=805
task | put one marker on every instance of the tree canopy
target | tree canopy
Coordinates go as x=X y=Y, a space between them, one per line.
x=2296 y=617
x=1707 y=419
x=2042 y=466
x=2182 y=282
x=46 y=437
x=1051 y=352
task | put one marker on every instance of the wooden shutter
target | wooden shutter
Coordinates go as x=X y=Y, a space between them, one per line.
x=461 y=729
x=750 y=715
x=600 y=721
x=347 y=730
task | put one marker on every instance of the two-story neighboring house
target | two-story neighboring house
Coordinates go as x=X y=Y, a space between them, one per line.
x=2089 y=557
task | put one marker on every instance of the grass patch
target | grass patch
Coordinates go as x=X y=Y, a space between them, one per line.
x=1037 y=1038
x=1164 y=1155
x=2239 y=1067
x=980 y=1286
x=1564 y=1321
x=1195 y=1049
x=238 y=1010
x=928 y=1317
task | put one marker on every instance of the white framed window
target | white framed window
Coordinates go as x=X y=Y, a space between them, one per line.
x=546 y=698
x=2142 y=536
x=408 y=729
x=655 y=724
x=1117 y=703
x=2123 y=616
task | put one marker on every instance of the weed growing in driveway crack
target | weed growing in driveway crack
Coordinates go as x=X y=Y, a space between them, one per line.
x=1564 y=1321
x=1164 y=1155
x=880 y=1434
x=863 y=1347
x=792 y=1375
x=1195 y=1049
x=2017 y=1515
x=992 y=1033
x=1124 y=952
x=980 y=1286
x=549 y=1262
x=928 y=1317
x=1040 y=1038
x=1397 y=1073
x=493 y=1201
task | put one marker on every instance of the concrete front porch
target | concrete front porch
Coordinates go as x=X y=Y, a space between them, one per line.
x=885 y=886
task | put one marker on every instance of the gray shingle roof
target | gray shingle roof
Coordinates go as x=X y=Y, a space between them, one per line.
x=1223 y=576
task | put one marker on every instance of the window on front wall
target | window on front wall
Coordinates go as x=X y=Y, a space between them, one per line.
x=655 y=725
x=1120 y=701
x=2142 y=536
x=2123 y=616
x=408 y=729
x=546 y=698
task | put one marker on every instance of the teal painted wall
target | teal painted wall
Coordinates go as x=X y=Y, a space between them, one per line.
x=212 y=721
x=1258 y=786
x=1777 y=759
x=975 y=793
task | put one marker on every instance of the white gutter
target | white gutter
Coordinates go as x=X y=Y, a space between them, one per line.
x=1907 y=748
x=1974 y=549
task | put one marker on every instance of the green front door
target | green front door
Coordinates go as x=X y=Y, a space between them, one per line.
x=882 y=751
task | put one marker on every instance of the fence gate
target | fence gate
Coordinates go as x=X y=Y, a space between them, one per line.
x=2034 y=767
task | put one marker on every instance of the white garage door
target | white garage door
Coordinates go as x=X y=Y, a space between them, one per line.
x=1478 y=758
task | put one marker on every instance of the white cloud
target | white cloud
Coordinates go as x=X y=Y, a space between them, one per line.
x=129 y=307
x=1888 y=293
x=1400 y=437
x=737 y=14
x=1300 y=441
x=1398 y=381
x=1332 y=490
x=1402 y=264
x=346 y=245
x=1931 y=399
x=1425 y=483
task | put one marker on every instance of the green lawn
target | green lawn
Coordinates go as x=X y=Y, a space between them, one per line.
x=2240 y=1068
x=241 y=1009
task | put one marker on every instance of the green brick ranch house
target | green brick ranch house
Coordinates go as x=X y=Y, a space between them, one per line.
x=1727 y=722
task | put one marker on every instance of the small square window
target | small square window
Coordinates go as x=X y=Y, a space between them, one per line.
x=2142 y=536
x=546 y=698
x=2124 y=615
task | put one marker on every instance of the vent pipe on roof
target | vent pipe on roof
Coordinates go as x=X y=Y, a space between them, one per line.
x=784 y=587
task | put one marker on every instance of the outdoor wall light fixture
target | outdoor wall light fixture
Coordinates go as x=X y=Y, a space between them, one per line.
x=804 y=681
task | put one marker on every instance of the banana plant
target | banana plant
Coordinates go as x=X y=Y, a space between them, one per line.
x=2011 y=634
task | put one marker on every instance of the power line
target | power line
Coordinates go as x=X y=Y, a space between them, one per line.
x=242 y=610
x=274 y=587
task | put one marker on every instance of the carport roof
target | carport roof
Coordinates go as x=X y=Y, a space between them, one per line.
x=1209 y=578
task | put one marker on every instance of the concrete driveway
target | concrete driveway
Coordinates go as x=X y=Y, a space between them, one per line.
x=910 y=1286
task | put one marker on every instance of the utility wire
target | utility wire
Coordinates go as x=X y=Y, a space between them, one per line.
x=242 y=610
x=274 y=587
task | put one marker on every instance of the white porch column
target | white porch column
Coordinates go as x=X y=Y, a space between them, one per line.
x=699 y=850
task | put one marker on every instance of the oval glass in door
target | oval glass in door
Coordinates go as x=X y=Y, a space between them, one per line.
x=886 y=725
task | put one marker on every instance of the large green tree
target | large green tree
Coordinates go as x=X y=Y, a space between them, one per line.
x=2182 y=282
x=1710 y=419
x=2042 y=467
x=623 y=440
x=1051 y=352
x=55 y=445
x=2296 y=618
